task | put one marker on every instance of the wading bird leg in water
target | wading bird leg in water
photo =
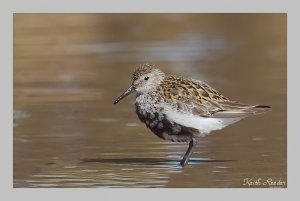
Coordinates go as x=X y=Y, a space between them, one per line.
x=188 y=153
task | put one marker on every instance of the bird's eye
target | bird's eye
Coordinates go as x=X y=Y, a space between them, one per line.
x=146 y=78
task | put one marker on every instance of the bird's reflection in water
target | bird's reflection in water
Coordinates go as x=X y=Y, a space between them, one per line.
x=149 y=161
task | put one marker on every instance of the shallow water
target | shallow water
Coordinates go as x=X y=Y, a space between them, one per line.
x=69 y=68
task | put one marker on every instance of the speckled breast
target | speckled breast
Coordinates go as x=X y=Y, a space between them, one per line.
x=149 y=111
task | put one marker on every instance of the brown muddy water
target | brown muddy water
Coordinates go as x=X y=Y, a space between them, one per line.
x=69 y=68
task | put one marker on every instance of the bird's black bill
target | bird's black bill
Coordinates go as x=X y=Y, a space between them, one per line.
x=126 y=93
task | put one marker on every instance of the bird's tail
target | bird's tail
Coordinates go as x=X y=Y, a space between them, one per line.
x=261 y=109
x=234 y=110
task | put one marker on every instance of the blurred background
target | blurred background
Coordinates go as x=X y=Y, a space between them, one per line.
x=69 y=68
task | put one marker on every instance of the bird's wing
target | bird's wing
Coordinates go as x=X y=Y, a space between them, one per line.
x=214 y=109
x=200 y=99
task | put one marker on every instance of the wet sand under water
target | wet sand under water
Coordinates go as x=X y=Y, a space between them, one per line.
x=69 y=68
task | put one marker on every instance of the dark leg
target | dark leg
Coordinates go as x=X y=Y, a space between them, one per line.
x=188 y=153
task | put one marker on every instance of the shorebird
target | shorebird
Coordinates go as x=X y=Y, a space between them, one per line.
x=182 y=109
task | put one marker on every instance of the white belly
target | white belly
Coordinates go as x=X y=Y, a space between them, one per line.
x=204 y=125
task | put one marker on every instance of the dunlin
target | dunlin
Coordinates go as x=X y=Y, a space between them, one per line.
x=182 y=109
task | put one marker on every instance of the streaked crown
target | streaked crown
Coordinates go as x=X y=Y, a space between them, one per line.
x=147 y=77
